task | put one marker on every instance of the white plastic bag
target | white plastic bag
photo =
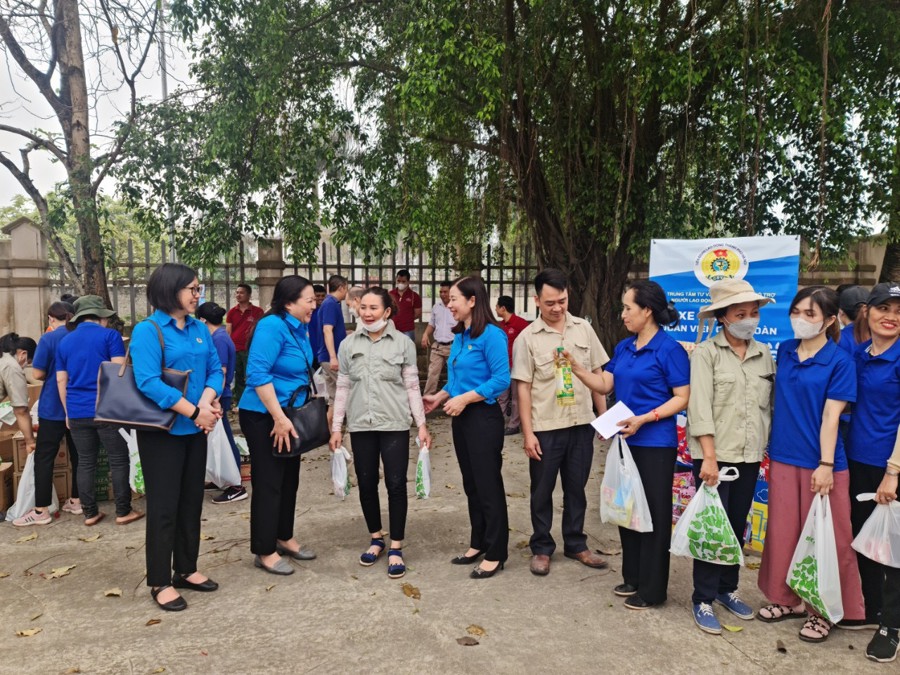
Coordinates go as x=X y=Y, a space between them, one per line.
x=340 y=476
x=703 y=532
x=319 y=382
x=814 y=573
x=622 y=498
x=879 y=538
x=423 y=473
x=135 y=473
x=220 y=467
x=25 y=493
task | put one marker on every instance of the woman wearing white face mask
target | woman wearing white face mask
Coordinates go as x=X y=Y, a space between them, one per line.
x=378 y=392
x=729 y=419
x=815 y=380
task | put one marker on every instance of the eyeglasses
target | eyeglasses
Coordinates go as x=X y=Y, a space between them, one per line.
x=195 y=290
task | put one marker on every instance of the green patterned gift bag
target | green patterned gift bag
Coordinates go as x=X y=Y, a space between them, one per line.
x=703 y=531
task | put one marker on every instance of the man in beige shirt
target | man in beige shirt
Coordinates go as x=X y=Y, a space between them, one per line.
x=558 y=439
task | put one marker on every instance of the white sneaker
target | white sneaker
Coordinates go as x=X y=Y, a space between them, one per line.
x=34 y=518
x=71 y=506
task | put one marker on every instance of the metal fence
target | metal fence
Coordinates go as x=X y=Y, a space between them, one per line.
x=506 y=270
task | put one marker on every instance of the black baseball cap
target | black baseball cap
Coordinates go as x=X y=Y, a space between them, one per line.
x=883 y=292
x=852 y=297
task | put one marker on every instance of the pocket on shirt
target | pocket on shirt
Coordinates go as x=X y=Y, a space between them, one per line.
x=582 y=354
x=544 y=366
x=764 y=393
x=723 y=389
x=357 y=366
x=391 y=367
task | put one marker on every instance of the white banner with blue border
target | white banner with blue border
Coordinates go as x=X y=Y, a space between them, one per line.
x=686 y=268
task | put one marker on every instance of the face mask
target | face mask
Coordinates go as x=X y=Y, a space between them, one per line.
x=804 y=330
x=402 y=287
x=353 y=312
x=743 y=329
x=375 y=326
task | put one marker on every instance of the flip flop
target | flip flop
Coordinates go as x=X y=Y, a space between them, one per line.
x=93 y=520
x=130 y=518
x=779 y=613
x=817 y=625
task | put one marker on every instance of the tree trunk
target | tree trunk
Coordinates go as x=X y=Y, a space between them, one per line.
x=890 y=270
x=76 y=129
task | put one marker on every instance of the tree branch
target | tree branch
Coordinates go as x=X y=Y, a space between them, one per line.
x=37 y=140
x=42 y=80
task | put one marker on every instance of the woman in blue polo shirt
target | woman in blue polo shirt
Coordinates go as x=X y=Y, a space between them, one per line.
x=174 y=461
x=814 y=381
x=279 y=363
x=51 y=422
x=78 y=359
x=477 y=373
x=650 y=372
x=873 y=436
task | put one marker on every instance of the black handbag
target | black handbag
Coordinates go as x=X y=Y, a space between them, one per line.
x=119 y=401
x=310 y=420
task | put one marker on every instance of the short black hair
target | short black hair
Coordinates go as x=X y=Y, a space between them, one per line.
x=247 y=288
x=61 y=311
x=318 y=288
x=550 y=277
x=336 y=282
x=506 y=303
x=404 y=274
x=211 y=313
x=166 y=283
x=68 y=297
x=11 y=343
x=446 y=283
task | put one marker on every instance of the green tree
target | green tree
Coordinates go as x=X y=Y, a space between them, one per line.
x=598 y=125
x=47 y=45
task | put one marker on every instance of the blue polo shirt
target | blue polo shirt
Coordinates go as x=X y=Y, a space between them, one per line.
x=227 y=356
x=479 y=364
x=189 y=348
x=876 y=413
x=329 y=314
x=315 y=339
x=79 y=355
x=644 y=380
x=280 y=355
x=49 y=405
x=801 y=390
x=848 y=342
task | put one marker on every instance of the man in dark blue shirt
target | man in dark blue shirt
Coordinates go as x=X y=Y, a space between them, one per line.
x=330 y=330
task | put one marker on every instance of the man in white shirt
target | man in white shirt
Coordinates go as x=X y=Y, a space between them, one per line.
x=441 y=327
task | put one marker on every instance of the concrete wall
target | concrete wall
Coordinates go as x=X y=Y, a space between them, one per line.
x=24 y=280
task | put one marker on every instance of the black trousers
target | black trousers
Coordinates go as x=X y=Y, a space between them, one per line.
x=880 y=583
x=710 y=579
x=88 y=435
x=567 y=453
x=240 y=375
x=392 y=448
x=275 y=481
x=49 y=436
x=645 y=555
x=478 y=441
x=174 y=471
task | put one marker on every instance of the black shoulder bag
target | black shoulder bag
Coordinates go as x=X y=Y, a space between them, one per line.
x=310 y=420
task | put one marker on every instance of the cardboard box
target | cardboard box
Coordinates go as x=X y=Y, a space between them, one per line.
x=62 y=480
x=7 y=495
x=34 y=393
x=20 y=454
x=6 y=445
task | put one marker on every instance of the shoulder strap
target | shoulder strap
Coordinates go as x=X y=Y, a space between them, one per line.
x=312 y=383
x=162 y=343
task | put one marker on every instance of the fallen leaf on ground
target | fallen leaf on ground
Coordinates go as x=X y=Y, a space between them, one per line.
x=203 y=652
x=475 y=630
x=58 y=572
x=522 y=544
x=158 y=670
x=28 y=632
x=27 y=537
x=609 y=550
x=36 y=617
x=206 y=537
x=153 y=622
x=779 y=646
x=467 y=641
x=3 y=575
x=245 y=516
x=450 y=487
x=113 y=593
x=270 y=587
x=72 y=670
x=516 y=495
x=94 y=537
x=753 y=564
x=416 y=610
x=411 y=591
x=732 y=629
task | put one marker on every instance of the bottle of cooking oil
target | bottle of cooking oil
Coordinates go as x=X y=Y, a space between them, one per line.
x=565 y=389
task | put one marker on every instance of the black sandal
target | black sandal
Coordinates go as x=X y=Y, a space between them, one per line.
x=817 y=625
x=368 y=559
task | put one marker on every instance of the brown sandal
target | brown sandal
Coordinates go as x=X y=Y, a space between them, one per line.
x=93 y=520
x=130 y=518
x=818 y=626
x=779 y=613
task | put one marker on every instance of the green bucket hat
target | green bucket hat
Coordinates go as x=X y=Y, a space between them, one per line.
x=91 y=305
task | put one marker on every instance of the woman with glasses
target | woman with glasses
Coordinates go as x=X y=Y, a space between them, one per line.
x=174 y=461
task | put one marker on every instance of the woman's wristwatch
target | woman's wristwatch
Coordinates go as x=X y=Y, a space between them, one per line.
x=196 y=412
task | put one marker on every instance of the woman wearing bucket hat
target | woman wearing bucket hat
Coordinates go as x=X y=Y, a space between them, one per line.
x=729 y=419
x=78 y=358
x=815 y=380
x=873 y=453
